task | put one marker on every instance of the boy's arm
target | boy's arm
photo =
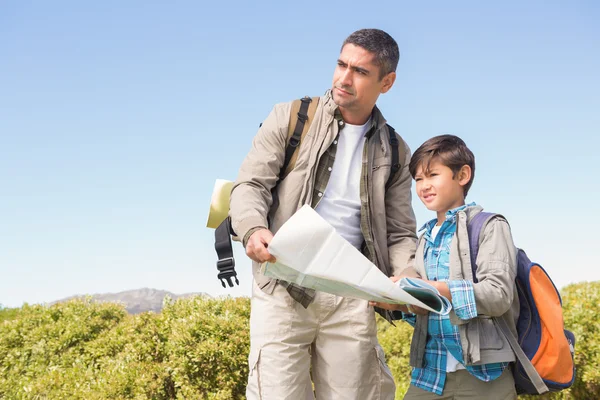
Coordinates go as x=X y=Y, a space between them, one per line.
x=497 y=266
x=251 y=196
x=401 y=221
x=496 y=270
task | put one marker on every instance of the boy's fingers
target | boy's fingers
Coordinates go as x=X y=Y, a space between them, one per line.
x=417 y=310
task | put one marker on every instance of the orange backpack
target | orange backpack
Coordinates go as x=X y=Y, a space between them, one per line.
x=544 y=349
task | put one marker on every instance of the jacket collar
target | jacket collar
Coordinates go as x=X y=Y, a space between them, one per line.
x=329 y=106
x=469 y=210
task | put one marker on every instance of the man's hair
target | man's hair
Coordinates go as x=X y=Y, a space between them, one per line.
x=382 y=45
x=449 y=150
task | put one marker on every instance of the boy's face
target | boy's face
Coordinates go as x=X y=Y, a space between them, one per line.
x=438 y=190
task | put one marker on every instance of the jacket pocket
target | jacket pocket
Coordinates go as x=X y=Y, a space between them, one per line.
x=490 y=338
x=382 y=162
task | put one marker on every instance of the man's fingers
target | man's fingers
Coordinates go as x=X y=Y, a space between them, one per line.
x=256 y=248
x=258 y=253
x=385 y=306
x=262 y=254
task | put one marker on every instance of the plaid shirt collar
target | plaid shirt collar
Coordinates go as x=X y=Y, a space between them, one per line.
x=450 y=217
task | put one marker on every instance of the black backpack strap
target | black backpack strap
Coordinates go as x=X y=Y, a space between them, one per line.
x=395 y=145
x=225 y=262
x=294 y=141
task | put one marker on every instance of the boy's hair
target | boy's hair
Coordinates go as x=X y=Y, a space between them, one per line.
x=450 y=150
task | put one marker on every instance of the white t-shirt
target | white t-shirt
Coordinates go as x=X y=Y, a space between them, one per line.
x=340 y=205
x=452 y=364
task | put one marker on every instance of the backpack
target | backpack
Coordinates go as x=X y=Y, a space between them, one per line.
x=544 y=349
x=301 y=116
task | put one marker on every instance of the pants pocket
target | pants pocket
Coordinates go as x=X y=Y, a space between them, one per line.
x=387 y=386
x=254 y=389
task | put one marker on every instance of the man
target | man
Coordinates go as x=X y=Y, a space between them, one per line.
x=341 y=170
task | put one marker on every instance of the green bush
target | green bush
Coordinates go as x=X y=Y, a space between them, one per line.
x=197 y=348
x=7 y=313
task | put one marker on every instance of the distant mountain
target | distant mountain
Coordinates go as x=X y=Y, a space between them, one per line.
x=137 y=300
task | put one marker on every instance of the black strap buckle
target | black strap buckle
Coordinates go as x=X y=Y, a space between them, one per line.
x=302 y=117
x=227 y=272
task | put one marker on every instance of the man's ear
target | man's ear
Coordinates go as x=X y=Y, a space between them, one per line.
x=388 y=82
x=464 y=175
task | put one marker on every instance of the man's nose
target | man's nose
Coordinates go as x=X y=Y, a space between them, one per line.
x=346 y=78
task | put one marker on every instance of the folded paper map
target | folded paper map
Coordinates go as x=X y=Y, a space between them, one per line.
x=312 y=254
x=219 y=203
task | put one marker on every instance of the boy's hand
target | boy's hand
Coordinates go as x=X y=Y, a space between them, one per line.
x=442 y=287
x=417 y=310
x=405 y=308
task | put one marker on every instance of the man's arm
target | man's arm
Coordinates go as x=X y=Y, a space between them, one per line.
x=401 y=222
x=251 y=196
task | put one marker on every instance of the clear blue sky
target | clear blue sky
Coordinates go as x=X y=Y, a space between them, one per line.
x=117 y=117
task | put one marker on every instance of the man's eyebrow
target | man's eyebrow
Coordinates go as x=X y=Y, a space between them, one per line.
x=357 y=69
x=362 y=70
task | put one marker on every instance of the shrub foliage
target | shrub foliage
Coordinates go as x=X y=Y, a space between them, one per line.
x=197 y=348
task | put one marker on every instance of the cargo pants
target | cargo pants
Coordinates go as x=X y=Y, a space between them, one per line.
x=332 y=345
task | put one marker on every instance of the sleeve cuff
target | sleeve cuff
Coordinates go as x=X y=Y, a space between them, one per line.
x=463 y=299
x=249 y=233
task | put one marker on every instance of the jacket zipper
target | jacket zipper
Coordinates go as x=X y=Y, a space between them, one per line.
x=369 y=241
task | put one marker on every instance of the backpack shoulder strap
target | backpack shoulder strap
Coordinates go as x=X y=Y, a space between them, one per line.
x=398 y=154
x=301 y=116
x=474 y=229
x=530 y=370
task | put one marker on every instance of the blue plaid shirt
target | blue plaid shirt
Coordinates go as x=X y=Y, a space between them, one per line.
x=442 y=336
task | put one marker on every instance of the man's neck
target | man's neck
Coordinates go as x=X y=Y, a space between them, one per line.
x=355 y=117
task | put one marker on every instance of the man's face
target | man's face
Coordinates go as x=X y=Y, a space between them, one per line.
x=356 y=83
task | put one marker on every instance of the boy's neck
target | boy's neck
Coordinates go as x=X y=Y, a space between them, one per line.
x=441 y=215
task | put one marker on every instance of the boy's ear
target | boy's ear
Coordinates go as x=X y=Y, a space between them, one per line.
x=464 y=175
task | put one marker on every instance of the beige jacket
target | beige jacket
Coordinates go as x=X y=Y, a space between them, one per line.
x=495 y=293
x=390 y=237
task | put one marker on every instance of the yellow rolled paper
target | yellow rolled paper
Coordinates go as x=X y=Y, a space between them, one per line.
x=219 y=203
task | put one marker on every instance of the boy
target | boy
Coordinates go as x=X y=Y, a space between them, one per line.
x=461 y=355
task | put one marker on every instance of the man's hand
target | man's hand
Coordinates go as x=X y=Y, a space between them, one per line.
x=256 y=248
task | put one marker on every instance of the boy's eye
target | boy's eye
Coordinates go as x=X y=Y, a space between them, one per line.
x=418 y=179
